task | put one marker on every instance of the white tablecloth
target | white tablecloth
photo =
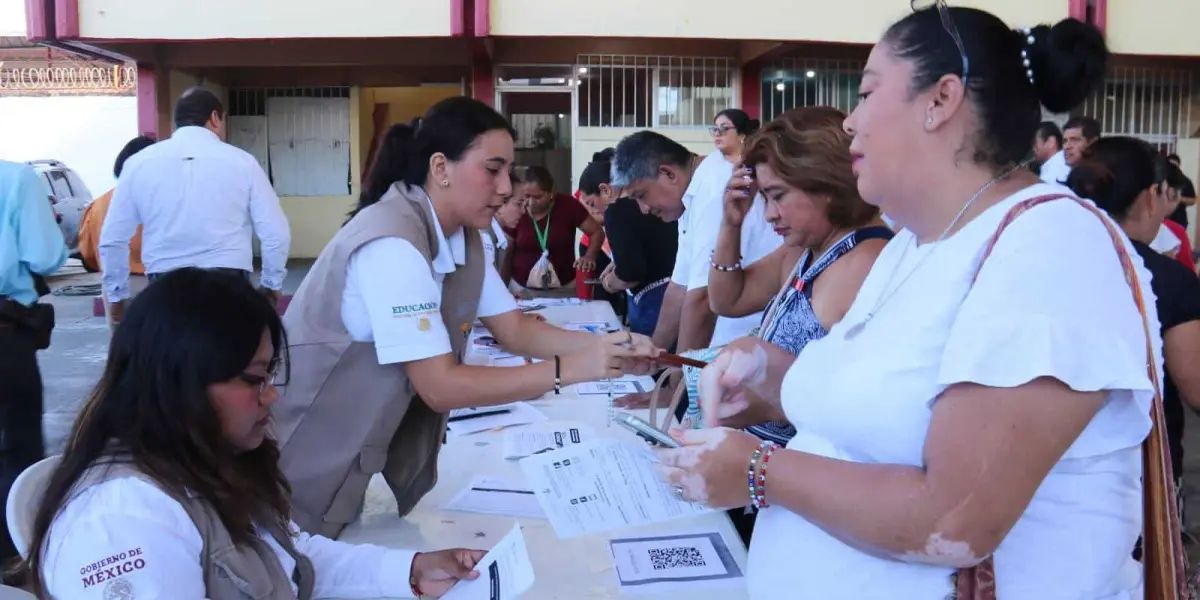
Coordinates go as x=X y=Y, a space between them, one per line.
x=566 y=569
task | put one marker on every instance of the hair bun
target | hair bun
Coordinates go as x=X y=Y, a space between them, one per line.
x=1068 y=61
x=604 y=155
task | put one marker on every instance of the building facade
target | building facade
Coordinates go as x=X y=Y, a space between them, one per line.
x=311 y=85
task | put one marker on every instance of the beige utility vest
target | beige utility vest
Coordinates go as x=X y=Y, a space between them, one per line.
x=343 y=417
x=230 y=572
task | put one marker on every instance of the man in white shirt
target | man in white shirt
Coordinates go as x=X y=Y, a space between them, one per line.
x=673 y=184
x=200 y=202
x=1047 y=150
x=1078 y=135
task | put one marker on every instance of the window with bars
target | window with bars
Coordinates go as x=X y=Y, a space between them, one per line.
x=653 y=91
x=300 y=136
x=795 y=82
x=1146 y=103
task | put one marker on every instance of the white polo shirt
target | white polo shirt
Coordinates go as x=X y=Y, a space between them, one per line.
x=698 y=230
x=1056 y=169
x=126 y=538
x=393 y=299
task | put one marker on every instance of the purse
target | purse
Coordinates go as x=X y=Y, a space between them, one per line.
x=1164 y=566
x=36 y=321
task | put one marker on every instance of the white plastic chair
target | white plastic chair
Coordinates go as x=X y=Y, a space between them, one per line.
x=22 y=506
x=12 y=593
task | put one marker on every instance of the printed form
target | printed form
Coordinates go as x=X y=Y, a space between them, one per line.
x=600 y=486
x=492 y=496
x=505 y=572
x=519 y=443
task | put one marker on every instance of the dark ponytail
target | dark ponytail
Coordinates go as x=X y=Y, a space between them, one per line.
x=388 y=166
x=451 y=127
x=599 y=171
x=1115 y=171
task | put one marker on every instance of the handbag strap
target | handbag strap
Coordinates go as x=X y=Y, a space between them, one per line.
x=660 y=385
x=1162 y=549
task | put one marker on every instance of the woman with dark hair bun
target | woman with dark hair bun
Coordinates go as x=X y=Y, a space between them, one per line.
x=170 y=485
x=974 y=423
x=379 y=326
x=1128 y=179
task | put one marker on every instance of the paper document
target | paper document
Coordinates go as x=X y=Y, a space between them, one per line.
x=535 y=303
x=600 y=327
x=616 y=387
x=602 y=485
x=509 y=361
x=491 y=496
x=655 y=565
x=519 y=443
x=465 y=421
x=505 y=572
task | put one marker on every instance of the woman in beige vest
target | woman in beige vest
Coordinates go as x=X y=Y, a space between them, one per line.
x=169 y=486
x=379 y=326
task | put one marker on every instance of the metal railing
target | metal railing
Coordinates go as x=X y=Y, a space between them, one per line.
x=795 y=82
x=653 y=91
x=1151 y=104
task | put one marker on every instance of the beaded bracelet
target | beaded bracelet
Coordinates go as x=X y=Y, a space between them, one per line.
x=760 y=500
x=557 y=375
x=712 y=260
x=737 y=266
x=752 y=472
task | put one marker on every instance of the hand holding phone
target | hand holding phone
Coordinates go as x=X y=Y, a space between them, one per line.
x=646 y=431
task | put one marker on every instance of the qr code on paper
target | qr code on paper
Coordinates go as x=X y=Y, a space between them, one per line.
x=663 y=559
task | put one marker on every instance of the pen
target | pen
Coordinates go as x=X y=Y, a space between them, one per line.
x=680 y=361
x=486 y=413
x=498 y=490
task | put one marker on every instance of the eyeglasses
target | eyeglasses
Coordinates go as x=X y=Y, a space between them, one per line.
x=948 y=25
x=274 y=378
x=722 y=130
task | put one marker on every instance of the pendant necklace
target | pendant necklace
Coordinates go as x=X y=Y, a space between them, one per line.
x=886 y=295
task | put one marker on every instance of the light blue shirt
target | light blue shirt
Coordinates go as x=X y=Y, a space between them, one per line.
x=30 y=240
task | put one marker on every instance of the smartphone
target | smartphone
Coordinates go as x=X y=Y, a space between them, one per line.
x=645 y=431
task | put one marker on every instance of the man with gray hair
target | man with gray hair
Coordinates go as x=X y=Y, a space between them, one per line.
x=669 y=181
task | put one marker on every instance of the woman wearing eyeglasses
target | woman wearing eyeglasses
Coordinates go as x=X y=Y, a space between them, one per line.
x=170 y=487
x=981 y=404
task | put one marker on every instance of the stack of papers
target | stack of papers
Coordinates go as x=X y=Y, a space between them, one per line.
x=520 y=443
x=492 y=496
x=600 y=486
x=505 y=572
x=465 y=421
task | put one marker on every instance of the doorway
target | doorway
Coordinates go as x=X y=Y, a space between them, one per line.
x=539 y=101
